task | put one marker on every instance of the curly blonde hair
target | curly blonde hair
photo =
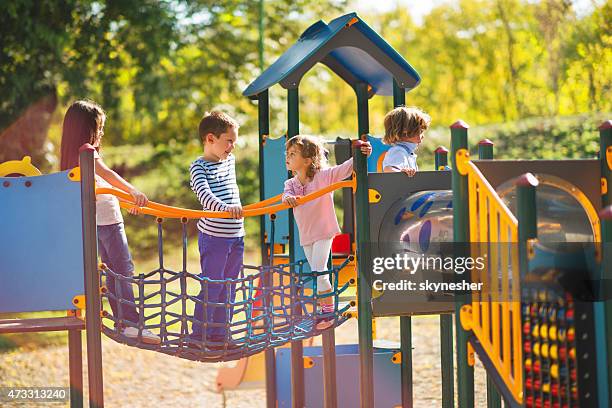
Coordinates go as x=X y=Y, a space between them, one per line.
x=310 y=147
x=405 y=121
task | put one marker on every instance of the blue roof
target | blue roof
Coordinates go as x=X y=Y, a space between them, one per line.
x=350 y=48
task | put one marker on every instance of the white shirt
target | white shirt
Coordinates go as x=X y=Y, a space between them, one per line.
x=401 y=156
x=108 y=211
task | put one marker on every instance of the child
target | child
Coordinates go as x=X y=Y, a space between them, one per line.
x=316 y=219
x=404 y=130
x=84 y=123
x=221 y=241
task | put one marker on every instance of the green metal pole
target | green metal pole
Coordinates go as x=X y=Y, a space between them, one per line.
x=485 y=152
x=399 y=99
x=261 y=35
x=441 y=157
x=75 y=364
x=263 y=109
x=605 y=217
x=605 y=157
x=446 y=360
x=446 y=321
x=461 y=236
x=364 y=291
x=93 y=321
x=526 y=213
x=330 y=393
x=485 y=149
x=297 y=348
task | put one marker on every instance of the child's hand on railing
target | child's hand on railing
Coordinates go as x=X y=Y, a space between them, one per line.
x=140 y=199
x=135 y=210
x=409 y=172
x=235 y=211
x=366 y=148
x=291 y=201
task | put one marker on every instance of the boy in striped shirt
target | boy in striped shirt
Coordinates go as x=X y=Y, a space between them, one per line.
x=220 y=240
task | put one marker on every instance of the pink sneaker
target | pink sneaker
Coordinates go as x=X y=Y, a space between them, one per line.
x=325 y=317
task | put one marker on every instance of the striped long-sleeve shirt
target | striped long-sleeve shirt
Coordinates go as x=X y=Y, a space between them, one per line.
x=215 y=185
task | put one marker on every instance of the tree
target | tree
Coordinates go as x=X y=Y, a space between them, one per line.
x=155 y=66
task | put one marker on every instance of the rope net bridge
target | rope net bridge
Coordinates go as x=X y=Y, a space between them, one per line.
x=268 y=305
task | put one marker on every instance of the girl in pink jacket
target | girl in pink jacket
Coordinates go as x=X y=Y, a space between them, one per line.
x=316 y=219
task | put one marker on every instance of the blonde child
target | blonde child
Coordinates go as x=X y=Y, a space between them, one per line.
x=316 y=219
x=404 y=129
x=84 y=123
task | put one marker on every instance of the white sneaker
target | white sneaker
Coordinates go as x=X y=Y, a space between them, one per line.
x=147 y=337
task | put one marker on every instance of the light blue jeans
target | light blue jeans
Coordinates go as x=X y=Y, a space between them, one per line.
x=115 y=253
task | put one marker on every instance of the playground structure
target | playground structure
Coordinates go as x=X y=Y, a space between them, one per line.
x=275 y=301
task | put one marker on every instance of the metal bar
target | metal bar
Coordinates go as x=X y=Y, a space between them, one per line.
x=329 y=369
x=75 y=364
x=446 y=322
x=406 y=364
x=461 y=236
x=261 y=37
x=263 y=109
x=92 y=283
x=297 y=349
x=605 y=158
x=446 y=360
x=366 y=358
x=441 y=158
x=399 y=99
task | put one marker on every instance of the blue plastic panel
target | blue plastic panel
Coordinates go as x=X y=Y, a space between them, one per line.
x=275 y=174
x=378 y=148
x=387 y=377
x=41 y=245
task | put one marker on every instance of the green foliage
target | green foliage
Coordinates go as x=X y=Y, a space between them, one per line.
x=575 y=137
x=484 y=61
x=84 y=47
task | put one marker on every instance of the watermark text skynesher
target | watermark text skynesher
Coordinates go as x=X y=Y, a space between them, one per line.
x=426 y=286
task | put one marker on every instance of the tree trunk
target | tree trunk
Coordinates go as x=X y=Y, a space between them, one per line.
x=27 y=135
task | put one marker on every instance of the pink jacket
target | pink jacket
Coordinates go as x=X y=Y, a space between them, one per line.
x=316 y=219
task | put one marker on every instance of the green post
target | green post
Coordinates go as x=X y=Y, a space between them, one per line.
x=461 y=236
x=399 y=99
x=263 y=109
x=526 y=213
x=446 y=321
x=261 y=35
x=441 y=157
x=485 y=152
x=75 y=368
x=605 y=157
x=485 y=149
x=93 y=321
x=297 y=348
x=364 y=291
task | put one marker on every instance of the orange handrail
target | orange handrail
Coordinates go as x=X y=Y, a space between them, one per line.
x=252 y=210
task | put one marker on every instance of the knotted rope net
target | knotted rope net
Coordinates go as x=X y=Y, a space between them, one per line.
x=268 y=305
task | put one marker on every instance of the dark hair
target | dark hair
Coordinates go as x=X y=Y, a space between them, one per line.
x=83 y=123
x=216 y=122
